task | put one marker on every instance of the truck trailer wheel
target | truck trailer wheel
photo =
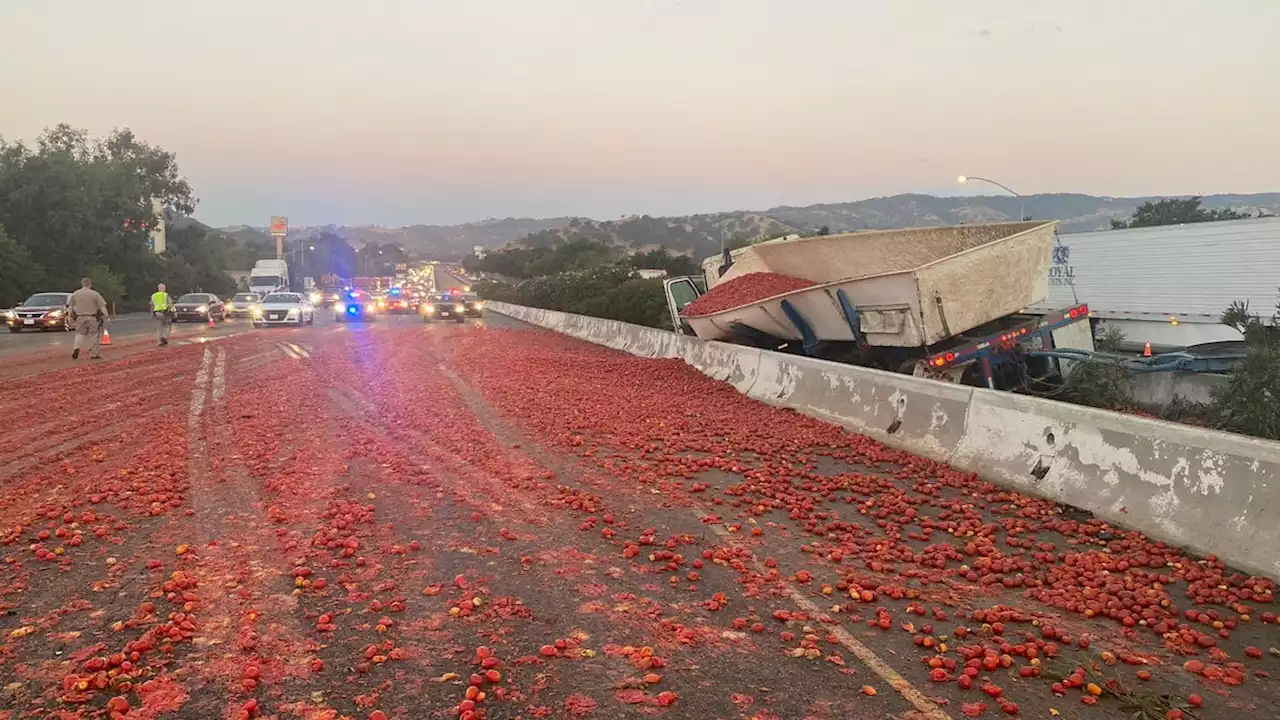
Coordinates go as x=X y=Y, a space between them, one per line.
x=921 y=369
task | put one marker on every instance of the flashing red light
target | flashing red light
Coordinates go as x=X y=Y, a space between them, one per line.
x=1074 y=313
x=951 y=356
x=1084 y=309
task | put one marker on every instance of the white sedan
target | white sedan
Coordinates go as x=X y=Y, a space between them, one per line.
x=284 y=308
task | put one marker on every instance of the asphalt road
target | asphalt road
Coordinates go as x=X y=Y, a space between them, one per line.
x=130 y=328
x=401 y=519
x=446 y=280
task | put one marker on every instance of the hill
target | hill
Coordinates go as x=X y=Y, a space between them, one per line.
x=1077 y=213
x=693 y=233
x=444 y=241
x=701 y=234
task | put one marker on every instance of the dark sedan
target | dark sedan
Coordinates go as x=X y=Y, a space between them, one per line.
x=443 y=307
x=42 y=311
x=474 y=305
x=199 y=307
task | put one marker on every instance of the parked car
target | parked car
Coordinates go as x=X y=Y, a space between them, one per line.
x=284 y=308
x=42 y=311
x=199 y=307
x=242 y=304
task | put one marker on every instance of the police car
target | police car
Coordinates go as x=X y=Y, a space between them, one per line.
x=398 y=302
x=284 y=308
x=355 y=306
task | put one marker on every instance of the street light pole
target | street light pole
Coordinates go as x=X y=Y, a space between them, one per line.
x=1022 y=203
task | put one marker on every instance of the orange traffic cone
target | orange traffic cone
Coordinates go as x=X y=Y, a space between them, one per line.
x=1146 y=351
x=106 y=337
x=210 y=321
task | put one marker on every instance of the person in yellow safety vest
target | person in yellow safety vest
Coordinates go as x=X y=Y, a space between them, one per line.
x=162 y=311
x=88 y=312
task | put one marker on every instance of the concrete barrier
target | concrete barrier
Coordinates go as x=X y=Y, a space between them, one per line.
x=920 y=416
x=1212 y=492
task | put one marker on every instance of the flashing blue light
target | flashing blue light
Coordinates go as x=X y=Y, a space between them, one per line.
x=395 y=291
x=353 y=309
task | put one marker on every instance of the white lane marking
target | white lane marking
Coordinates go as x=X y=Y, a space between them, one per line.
x=284 y=347
x=219 y=375
x=926 y=707
x=197 y=394
x=299 y=350
x=205 y=340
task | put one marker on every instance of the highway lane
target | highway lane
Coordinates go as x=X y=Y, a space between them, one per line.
x=446 y=280
x=343 y=519
x=128 y=328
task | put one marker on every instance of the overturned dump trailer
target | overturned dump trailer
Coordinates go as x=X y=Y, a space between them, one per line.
x=941 y=302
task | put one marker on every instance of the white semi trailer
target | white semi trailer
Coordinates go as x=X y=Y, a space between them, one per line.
x=1168 y=285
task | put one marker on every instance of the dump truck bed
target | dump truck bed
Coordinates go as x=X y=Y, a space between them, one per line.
x=905 y=288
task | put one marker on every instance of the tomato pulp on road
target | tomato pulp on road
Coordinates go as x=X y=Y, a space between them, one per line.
x=407 y=520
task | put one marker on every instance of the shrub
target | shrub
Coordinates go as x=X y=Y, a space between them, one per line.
x=1249 y=402
x=606 y=292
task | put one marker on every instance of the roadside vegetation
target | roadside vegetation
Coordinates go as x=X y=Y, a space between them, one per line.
x=73 y=206
x=584 y=277
x=1176 y=211
x=1248 y=402
x=606 y=291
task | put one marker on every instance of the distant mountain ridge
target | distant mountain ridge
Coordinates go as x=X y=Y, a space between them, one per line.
x=701 y=234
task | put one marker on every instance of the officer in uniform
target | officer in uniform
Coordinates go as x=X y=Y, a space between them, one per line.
x=88 y=312
x=162 y=311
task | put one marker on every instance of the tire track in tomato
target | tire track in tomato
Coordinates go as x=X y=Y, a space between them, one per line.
x=896 y=550
x=265 y=546
x=145 y=469
x=34 y=452
x=125 y=540
x=443 y=546
x=251 y=638
x=611 y=549
x=925 y=706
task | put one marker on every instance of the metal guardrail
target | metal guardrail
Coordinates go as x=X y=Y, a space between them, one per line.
x=1165 y=362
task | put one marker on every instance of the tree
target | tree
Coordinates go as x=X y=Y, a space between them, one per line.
x=824 y=231
x=1175 y=211
x=74 y=206
x=332 y=255
x=662 y=259
x=20 y=276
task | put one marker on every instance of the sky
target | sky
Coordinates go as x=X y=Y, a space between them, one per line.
x=397 y=112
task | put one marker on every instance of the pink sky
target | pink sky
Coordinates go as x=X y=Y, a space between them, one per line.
x=405 y=111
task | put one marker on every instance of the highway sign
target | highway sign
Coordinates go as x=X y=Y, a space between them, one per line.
x=279 y=226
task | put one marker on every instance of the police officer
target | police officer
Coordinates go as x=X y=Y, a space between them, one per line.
x=162 y=311
x=88 y=312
